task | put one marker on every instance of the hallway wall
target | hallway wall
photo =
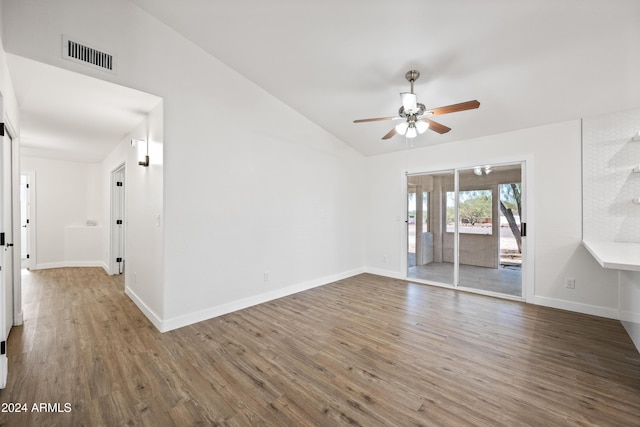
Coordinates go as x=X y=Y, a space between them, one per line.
x=67 y=195
x=253 y=208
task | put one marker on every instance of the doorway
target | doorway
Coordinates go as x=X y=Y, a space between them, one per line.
x=10 y=284
x=117 y=220
x=464 y=228
x=6 y=232
x=27 y=182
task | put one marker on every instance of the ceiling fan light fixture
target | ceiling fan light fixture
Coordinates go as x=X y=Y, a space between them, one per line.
x=401 y=128
x=409 y=102
x=412 y=111
x=422 y=126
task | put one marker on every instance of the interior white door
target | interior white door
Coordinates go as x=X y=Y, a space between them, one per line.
x=25 y=220
x=6 y=258
x=118 y=220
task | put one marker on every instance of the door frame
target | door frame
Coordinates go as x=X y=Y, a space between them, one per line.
x=117 y=235
x=31 y=233
x=14 y=210
x=9 y=130
x=528 y=242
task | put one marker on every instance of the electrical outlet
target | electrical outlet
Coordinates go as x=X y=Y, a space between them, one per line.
x=384 y=258
x=570 y=283
x=266 y=276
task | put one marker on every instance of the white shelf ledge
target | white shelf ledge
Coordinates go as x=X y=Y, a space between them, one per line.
x=615 y=255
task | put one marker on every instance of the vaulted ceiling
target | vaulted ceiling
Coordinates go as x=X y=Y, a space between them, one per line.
x=528 y=62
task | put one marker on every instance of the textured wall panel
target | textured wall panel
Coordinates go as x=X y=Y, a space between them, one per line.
x=609 y=184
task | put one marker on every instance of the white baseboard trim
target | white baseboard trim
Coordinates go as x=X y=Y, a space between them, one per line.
x=64 y=264
x=150 y=314
x=610 y=313
x=633 y=330
x=630 y=316
x=209 y=313
x=18 y=318
x=106 y=269
x=594 y=310
x=385 y=273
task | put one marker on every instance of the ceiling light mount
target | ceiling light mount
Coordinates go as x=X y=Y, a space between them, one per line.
x=412 y=76
x=414 y=113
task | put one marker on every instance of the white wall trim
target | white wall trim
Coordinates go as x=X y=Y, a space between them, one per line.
x=594 y=310
x=630 y=316
x=209 y=313
x=32 y=260
x=633 y=330
x=64 y=264
x=386 y=273
x=150 y=314
x=610 y=313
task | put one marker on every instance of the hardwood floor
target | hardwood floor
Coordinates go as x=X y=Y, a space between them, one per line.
x=367 y=351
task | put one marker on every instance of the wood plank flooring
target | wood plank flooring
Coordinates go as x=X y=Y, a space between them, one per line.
x=367 y=351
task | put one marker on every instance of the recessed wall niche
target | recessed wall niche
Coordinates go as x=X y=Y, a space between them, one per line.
x=610 y=153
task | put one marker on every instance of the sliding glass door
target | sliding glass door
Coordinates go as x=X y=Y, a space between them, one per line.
x=467 y=234
x=430 y=249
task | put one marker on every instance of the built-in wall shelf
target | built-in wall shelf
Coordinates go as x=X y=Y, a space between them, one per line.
x=615 y=255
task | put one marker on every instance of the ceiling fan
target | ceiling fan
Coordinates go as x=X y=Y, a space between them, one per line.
x=416 y=115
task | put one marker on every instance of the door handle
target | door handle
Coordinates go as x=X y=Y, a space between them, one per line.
x=9 y=245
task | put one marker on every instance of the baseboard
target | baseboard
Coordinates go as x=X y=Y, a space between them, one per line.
x=150 y=314
x=610 y=313
x=210 y=313
x=630 y=316
x=631 y=322
x=18 y=318
x=105 y=267
x=633 y=330
x=385 y=273
x=594 y=310
x=65 y=264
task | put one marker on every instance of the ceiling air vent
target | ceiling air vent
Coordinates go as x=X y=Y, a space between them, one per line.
x=81 y=53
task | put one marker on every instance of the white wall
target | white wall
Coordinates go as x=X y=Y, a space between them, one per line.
x=243 y=193
x=630 y=304
x=10 y=116
x=144 y=270
x=67 y=194
x=273 y=192
x=609 y=183
x=553 y=159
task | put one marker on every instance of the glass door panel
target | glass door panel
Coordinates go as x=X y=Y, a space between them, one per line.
x=489 y=203
x=430 y=249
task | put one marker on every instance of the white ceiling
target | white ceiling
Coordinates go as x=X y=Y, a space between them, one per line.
x=528 y=62
x=70 y=116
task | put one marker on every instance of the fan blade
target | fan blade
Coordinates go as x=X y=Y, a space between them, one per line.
x=391 y=133
x=376 y=119
x=436 y=127
x=469 y=105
